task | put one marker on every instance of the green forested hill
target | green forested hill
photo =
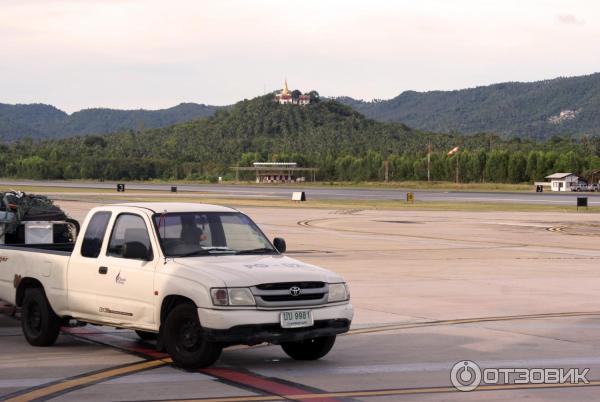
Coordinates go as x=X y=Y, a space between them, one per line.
x=341 y=142
x=526 y=110
x=45 y=121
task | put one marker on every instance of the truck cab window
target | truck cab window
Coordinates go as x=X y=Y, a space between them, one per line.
x=190 y=234
x=129 y=231
x=94 y=234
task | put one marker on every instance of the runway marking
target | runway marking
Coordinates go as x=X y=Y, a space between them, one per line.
x=309 y=223
x=118 y=342
x=394 y=327
x=73 y=383
x=264 y=384
x=424 y=368
x=236 y=378
x=389 y=392
x=233 y=377
x=492 y=244
x=346 y=211
x=556 y=228
x=251 y=381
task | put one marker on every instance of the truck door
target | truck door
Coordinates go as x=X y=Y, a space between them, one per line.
x=83 y=277
x=126 y=273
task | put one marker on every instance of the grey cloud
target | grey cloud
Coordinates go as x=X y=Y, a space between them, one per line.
x=569 y=19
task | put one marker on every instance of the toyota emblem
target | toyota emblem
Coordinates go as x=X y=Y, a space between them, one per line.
x=295 y=291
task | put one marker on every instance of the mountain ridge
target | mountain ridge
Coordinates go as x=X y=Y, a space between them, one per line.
x=521 y=109
x=43 y=121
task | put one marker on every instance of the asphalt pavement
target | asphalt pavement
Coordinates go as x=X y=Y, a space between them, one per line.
x=276 y=191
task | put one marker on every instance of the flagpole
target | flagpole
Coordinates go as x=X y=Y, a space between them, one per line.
x=428 y=162
x=455 y=150
x=457 y=156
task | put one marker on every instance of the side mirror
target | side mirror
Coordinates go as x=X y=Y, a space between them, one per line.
x=279 y=244
x=135 y=250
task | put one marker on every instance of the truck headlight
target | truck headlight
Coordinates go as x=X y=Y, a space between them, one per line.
x=241 y=297
x=232 y=297
x=338 y=292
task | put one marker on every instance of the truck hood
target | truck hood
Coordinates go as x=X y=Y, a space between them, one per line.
x=247 y=270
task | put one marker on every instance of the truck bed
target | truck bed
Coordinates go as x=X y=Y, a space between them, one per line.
x=46 y=263
x=54 y=248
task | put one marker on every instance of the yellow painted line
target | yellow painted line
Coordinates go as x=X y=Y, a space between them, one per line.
x=87 y=379
x=384 y=328
x=391 y=392
x=234 y=399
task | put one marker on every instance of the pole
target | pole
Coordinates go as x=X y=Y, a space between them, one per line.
x=457 y=156
x=428 y=162
x=386 y=170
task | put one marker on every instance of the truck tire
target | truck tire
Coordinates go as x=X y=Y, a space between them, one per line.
x=40 y=324
x=309 y=349
x=147 y=336
x=184 y=339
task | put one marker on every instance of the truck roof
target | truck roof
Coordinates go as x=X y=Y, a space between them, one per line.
x=160 y=207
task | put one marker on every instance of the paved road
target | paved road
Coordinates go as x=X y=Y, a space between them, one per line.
x=430 y=289
x=284 y=192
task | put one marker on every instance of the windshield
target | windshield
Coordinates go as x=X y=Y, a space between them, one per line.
x=190 y=234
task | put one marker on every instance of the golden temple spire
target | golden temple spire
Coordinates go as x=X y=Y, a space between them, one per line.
x=285 y=88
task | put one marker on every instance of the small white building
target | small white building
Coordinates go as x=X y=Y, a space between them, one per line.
x=563 y=181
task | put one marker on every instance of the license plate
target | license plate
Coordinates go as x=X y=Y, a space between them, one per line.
x=296 y=319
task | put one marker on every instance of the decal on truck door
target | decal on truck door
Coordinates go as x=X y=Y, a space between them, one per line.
x=119 y=280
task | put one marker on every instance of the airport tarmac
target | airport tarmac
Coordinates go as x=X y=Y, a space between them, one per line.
x=283 y=192
x=430 y=288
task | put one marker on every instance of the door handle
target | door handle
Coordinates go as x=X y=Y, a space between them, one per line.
x=102 y=270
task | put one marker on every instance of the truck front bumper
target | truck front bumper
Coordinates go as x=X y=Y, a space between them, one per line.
x=273 y=333
x=252 y=326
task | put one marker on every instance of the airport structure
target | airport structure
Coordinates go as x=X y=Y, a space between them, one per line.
x=277 y=172
x=563 y=181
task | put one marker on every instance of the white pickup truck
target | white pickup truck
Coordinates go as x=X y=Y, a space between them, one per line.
x=196 y=277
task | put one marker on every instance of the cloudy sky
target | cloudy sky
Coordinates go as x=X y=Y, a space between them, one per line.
x=152 y=54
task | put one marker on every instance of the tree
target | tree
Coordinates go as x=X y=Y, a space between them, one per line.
x=314 y=96
x=496 y=168
x=517 y=166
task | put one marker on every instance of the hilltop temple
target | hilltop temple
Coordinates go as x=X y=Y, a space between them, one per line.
x=285 y=97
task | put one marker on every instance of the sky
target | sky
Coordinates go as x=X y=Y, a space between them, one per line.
x=132 y=54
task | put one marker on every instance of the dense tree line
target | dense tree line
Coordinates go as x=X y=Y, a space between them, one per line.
x=342 y=143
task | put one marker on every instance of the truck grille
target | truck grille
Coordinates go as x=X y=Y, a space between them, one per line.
x=280 y=295
x=288 y=285
x=292 y=298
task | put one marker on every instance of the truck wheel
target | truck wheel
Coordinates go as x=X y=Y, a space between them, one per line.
x=147 y=336
x=40 y=324
x=309 y=349
x=185 y=341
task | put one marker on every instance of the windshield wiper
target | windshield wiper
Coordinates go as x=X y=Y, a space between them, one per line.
x=205 y=251
x=262 y=250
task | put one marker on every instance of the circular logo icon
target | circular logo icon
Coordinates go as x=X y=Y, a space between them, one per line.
x=295 y=291
x=465 y=375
